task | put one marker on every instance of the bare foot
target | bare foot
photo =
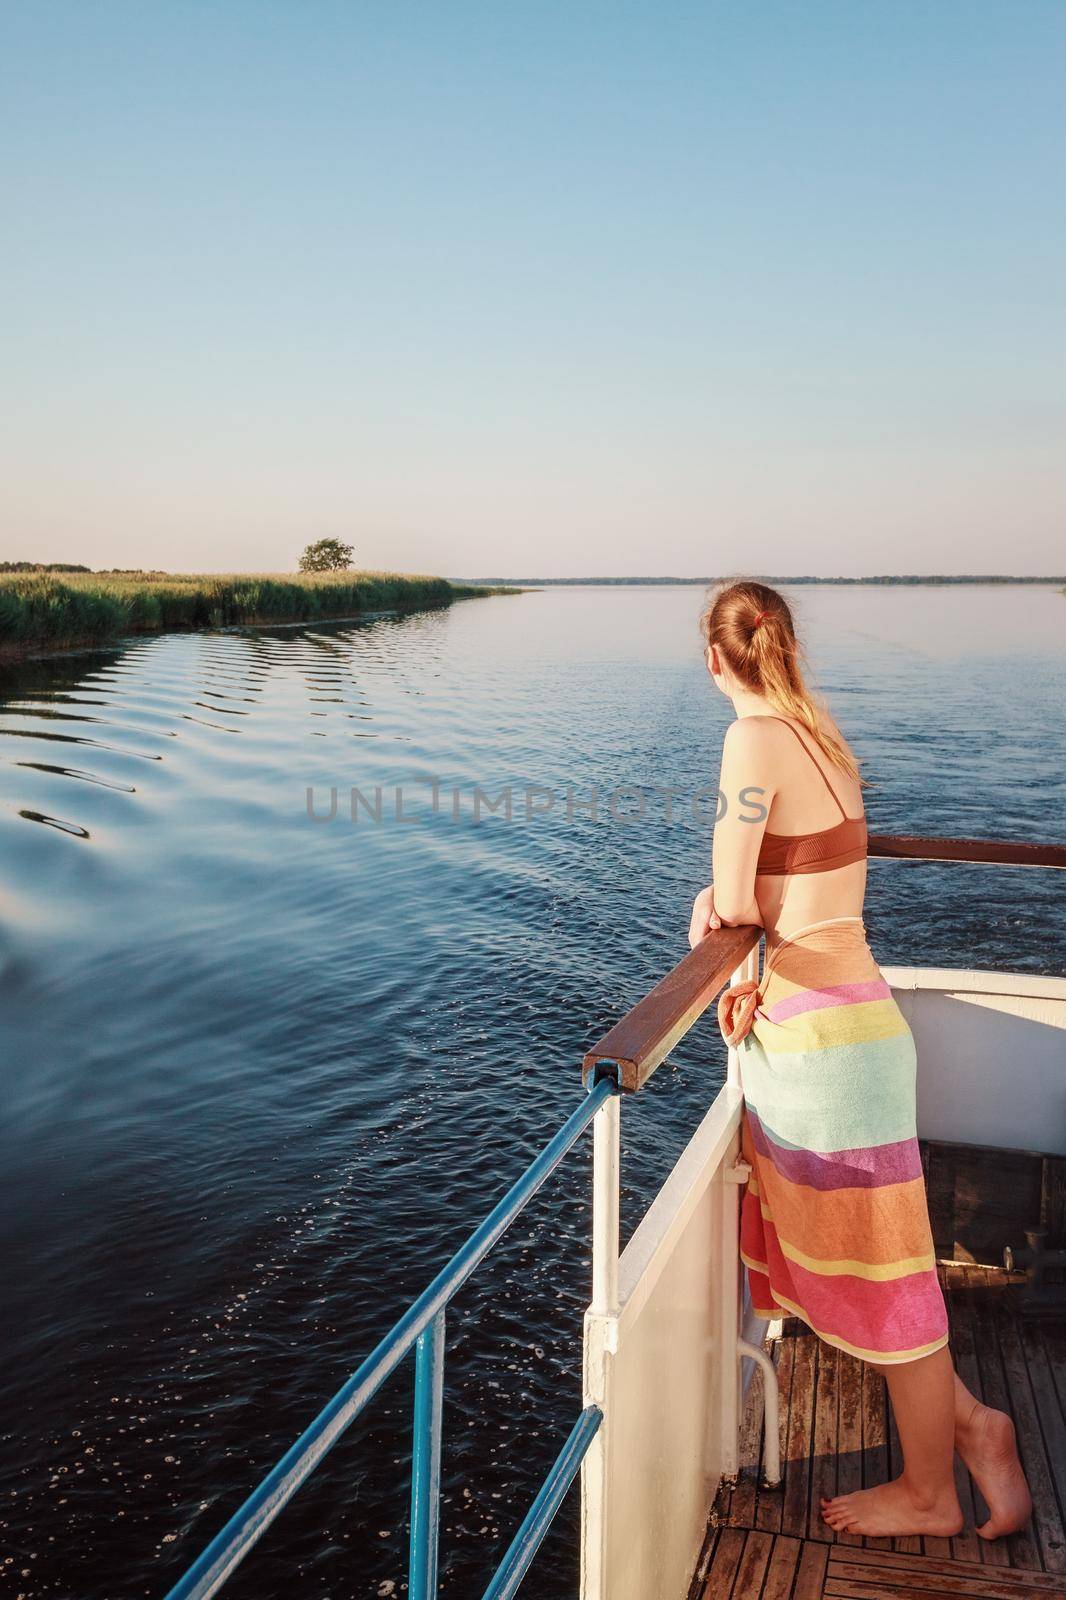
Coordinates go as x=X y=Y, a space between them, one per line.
x=990 y=1451
x=891 y=1509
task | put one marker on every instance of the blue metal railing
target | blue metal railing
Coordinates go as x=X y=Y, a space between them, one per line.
x=516 y=1563
x=422 y=1326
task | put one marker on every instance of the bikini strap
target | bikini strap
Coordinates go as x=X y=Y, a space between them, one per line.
x=817 y=765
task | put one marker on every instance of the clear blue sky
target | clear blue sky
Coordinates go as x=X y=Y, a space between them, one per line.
x=549 y=288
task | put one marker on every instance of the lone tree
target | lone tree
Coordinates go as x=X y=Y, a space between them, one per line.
x=326 y=555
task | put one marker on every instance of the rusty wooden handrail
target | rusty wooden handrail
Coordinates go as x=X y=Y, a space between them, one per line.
x=644 y=1037
x=990 y=852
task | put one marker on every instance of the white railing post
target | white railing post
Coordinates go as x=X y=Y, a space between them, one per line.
x=771 y=1411
x=605 y=1185
x=601 y=1344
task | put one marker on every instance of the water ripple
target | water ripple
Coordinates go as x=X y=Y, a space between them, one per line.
x=55 y=822
x=74 y=772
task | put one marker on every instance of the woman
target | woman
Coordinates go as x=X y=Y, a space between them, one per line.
x=835 y=1227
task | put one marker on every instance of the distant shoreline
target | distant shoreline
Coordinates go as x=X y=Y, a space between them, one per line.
x=905 y=580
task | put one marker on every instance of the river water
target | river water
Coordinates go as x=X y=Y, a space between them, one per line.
x=262 y=1072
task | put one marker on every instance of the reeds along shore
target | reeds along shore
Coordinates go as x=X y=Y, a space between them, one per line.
x=40 y=612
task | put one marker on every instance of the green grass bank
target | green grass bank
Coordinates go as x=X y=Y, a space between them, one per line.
x=44 y=611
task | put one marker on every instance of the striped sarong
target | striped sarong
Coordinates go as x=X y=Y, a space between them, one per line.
x=834 y=1225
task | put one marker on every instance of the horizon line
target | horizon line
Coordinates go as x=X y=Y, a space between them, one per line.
x=872 y=578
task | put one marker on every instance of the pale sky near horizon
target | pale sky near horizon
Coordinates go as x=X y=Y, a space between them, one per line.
x=549 y=289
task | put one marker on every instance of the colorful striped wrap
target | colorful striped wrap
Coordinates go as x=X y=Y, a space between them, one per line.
x=834 y=1225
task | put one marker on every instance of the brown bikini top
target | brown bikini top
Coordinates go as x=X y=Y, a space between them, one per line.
x=784 y=854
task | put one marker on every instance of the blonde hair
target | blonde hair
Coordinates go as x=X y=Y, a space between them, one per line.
x=752 y=627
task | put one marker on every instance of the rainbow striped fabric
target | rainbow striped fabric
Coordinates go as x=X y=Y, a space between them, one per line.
x=834 y=1226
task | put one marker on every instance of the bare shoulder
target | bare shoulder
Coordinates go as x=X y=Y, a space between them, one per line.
x=751 y=737
x=767 y=740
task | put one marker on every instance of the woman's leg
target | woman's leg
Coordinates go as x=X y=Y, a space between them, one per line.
x=985 y=1440
x=922 y=1499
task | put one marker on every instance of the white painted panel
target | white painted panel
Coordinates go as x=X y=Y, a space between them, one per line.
x=991 y=1056
x=670 y=1385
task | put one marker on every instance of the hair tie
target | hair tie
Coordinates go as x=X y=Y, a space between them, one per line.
x=759 y=618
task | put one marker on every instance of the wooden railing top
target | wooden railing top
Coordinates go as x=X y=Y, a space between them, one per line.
x=644 y=1037
x=988 y=852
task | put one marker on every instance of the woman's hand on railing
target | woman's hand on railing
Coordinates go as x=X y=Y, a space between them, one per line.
x=704 y=917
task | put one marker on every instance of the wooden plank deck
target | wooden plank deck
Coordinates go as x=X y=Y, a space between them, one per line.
x=837 y=1433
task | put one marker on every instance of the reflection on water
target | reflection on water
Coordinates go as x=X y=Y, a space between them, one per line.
x=261 y=1073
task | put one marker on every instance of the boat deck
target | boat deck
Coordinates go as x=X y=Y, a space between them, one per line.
x=837 y=1435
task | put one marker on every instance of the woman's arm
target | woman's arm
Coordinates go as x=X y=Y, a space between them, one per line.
x=705 y=918
x=746 y=787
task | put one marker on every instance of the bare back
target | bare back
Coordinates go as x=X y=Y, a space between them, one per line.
x=803 y=803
